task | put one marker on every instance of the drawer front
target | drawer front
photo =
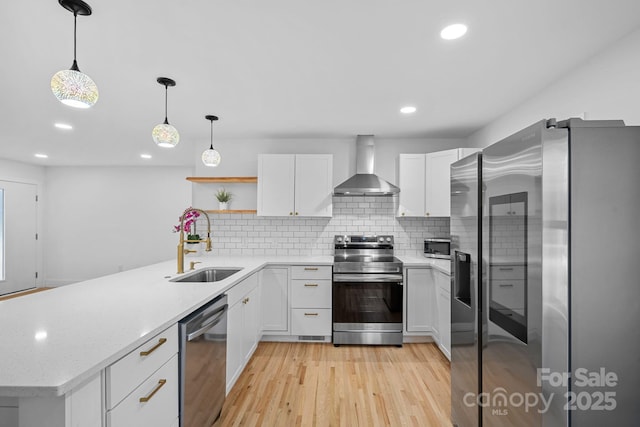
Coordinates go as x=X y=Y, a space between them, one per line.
x=127 y=373
x=509 y=293
x=161 y=408
x=310 y=293
x=507 y=272
x=315 y=272
x=311 y=321
x=240 y=290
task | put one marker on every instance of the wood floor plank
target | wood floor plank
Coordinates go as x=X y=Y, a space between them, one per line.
x=317 y=384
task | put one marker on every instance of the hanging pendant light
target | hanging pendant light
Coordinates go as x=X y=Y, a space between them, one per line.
x=164 y=134
x=211 y=157
x=72 y=87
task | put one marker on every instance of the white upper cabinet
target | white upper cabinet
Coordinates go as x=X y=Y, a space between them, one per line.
x=295 y=185
x=411 y=179
x=424 y=181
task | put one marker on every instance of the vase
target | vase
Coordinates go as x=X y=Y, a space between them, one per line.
x=224 y=206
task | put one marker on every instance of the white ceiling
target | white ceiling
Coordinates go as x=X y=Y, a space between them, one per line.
x=283 y=69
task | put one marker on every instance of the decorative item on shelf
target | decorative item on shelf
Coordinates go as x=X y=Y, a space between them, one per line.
x=189 y=226
x=211 y=157
x=72 y=87
x=165 y=135
x=224 y=197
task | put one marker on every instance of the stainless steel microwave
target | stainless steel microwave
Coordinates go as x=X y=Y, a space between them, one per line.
x=437 y=247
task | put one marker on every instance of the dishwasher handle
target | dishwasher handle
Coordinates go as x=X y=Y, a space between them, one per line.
x=209 y=324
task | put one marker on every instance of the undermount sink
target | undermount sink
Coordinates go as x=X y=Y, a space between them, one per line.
x=212 y=274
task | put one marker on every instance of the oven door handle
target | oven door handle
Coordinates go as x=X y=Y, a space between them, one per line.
x=359 y=278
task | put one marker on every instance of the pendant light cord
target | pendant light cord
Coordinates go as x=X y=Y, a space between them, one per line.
x=211 y=147
x=166 y=94
x=74 y=66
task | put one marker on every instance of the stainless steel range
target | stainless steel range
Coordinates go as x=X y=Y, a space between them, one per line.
x=367 y=291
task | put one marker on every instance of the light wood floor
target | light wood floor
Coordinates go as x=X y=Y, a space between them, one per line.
x=22 y=293
x=317 y=384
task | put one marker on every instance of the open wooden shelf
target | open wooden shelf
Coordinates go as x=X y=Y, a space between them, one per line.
x=233 y=211
x=224 y=179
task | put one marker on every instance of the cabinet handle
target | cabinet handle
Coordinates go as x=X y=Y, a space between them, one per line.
x=427 y=214
x=311 y=268
x=155 y=390
x=402 y=213
x=311 y=314
x=154 y=348
x=296 y=213
x=506 y=285
x=506 y=268
x=290 y=213
x=315 y=285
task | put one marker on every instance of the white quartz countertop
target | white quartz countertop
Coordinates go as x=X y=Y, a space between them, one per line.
x=53 y=341
x=443 y=265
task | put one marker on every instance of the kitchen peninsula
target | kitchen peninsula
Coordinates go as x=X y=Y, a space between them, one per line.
x=62 y=342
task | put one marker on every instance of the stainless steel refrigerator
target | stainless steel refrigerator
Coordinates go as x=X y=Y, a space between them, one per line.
x=545 y=302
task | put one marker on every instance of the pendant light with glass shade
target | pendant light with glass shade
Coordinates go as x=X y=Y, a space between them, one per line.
x=72 y=87
x=165 y=135
x=210 y=157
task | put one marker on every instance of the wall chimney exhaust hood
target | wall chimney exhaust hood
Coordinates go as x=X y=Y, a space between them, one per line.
x=365 y=182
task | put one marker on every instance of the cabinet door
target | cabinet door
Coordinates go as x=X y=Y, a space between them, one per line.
x=274 y=299
x=443 y=290
x=411 y=179
x=438 y=182
x=313 y=185
x=250 y=324
x=420 y=300
x=276 y=174
x=444 y=321
x=235 y=357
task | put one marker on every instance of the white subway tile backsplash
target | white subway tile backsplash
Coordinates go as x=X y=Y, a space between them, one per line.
x=247 y=234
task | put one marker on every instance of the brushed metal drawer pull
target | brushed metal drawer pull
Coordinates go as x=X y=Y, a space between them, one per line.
x=155 y=390
x=154 y=348
x=311 y=314
x=311 y=268
x=506 y=269
x=315 y=285
x=506 y=285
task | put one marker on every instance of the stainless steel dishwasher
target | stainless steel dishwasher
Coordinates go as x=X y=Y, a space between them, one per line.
x=203 y=359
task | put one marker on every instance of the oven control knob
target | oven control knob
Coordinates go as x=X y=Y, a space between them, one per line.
x=389 y=239
x=381 y=239
x=339 y=239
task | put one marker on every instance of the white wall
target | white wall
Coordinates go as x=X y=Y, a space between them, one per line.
x=101 y=220
x=30 y=174
x=604 y=87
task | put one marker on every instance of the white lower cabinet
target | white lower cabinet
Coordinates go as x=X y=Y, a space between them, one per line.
x=274 y=300
x=420 y=302
x=152 y=403
x=142 y=387
x=443 y=290
x=243 y=326
x=311 y=301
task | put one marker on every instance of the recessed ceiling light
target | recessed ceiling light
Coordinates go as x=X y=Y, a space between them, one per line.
x=41 y=156
x=145 y=156
x=453 y=32
x=408 y=110
x=63 y=126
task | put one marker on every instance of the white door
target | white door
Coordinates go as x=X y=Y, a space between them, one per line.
x=17 y=236
x=438 y=185
x=276 y=173
x=314 y=185
x=411 y=179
